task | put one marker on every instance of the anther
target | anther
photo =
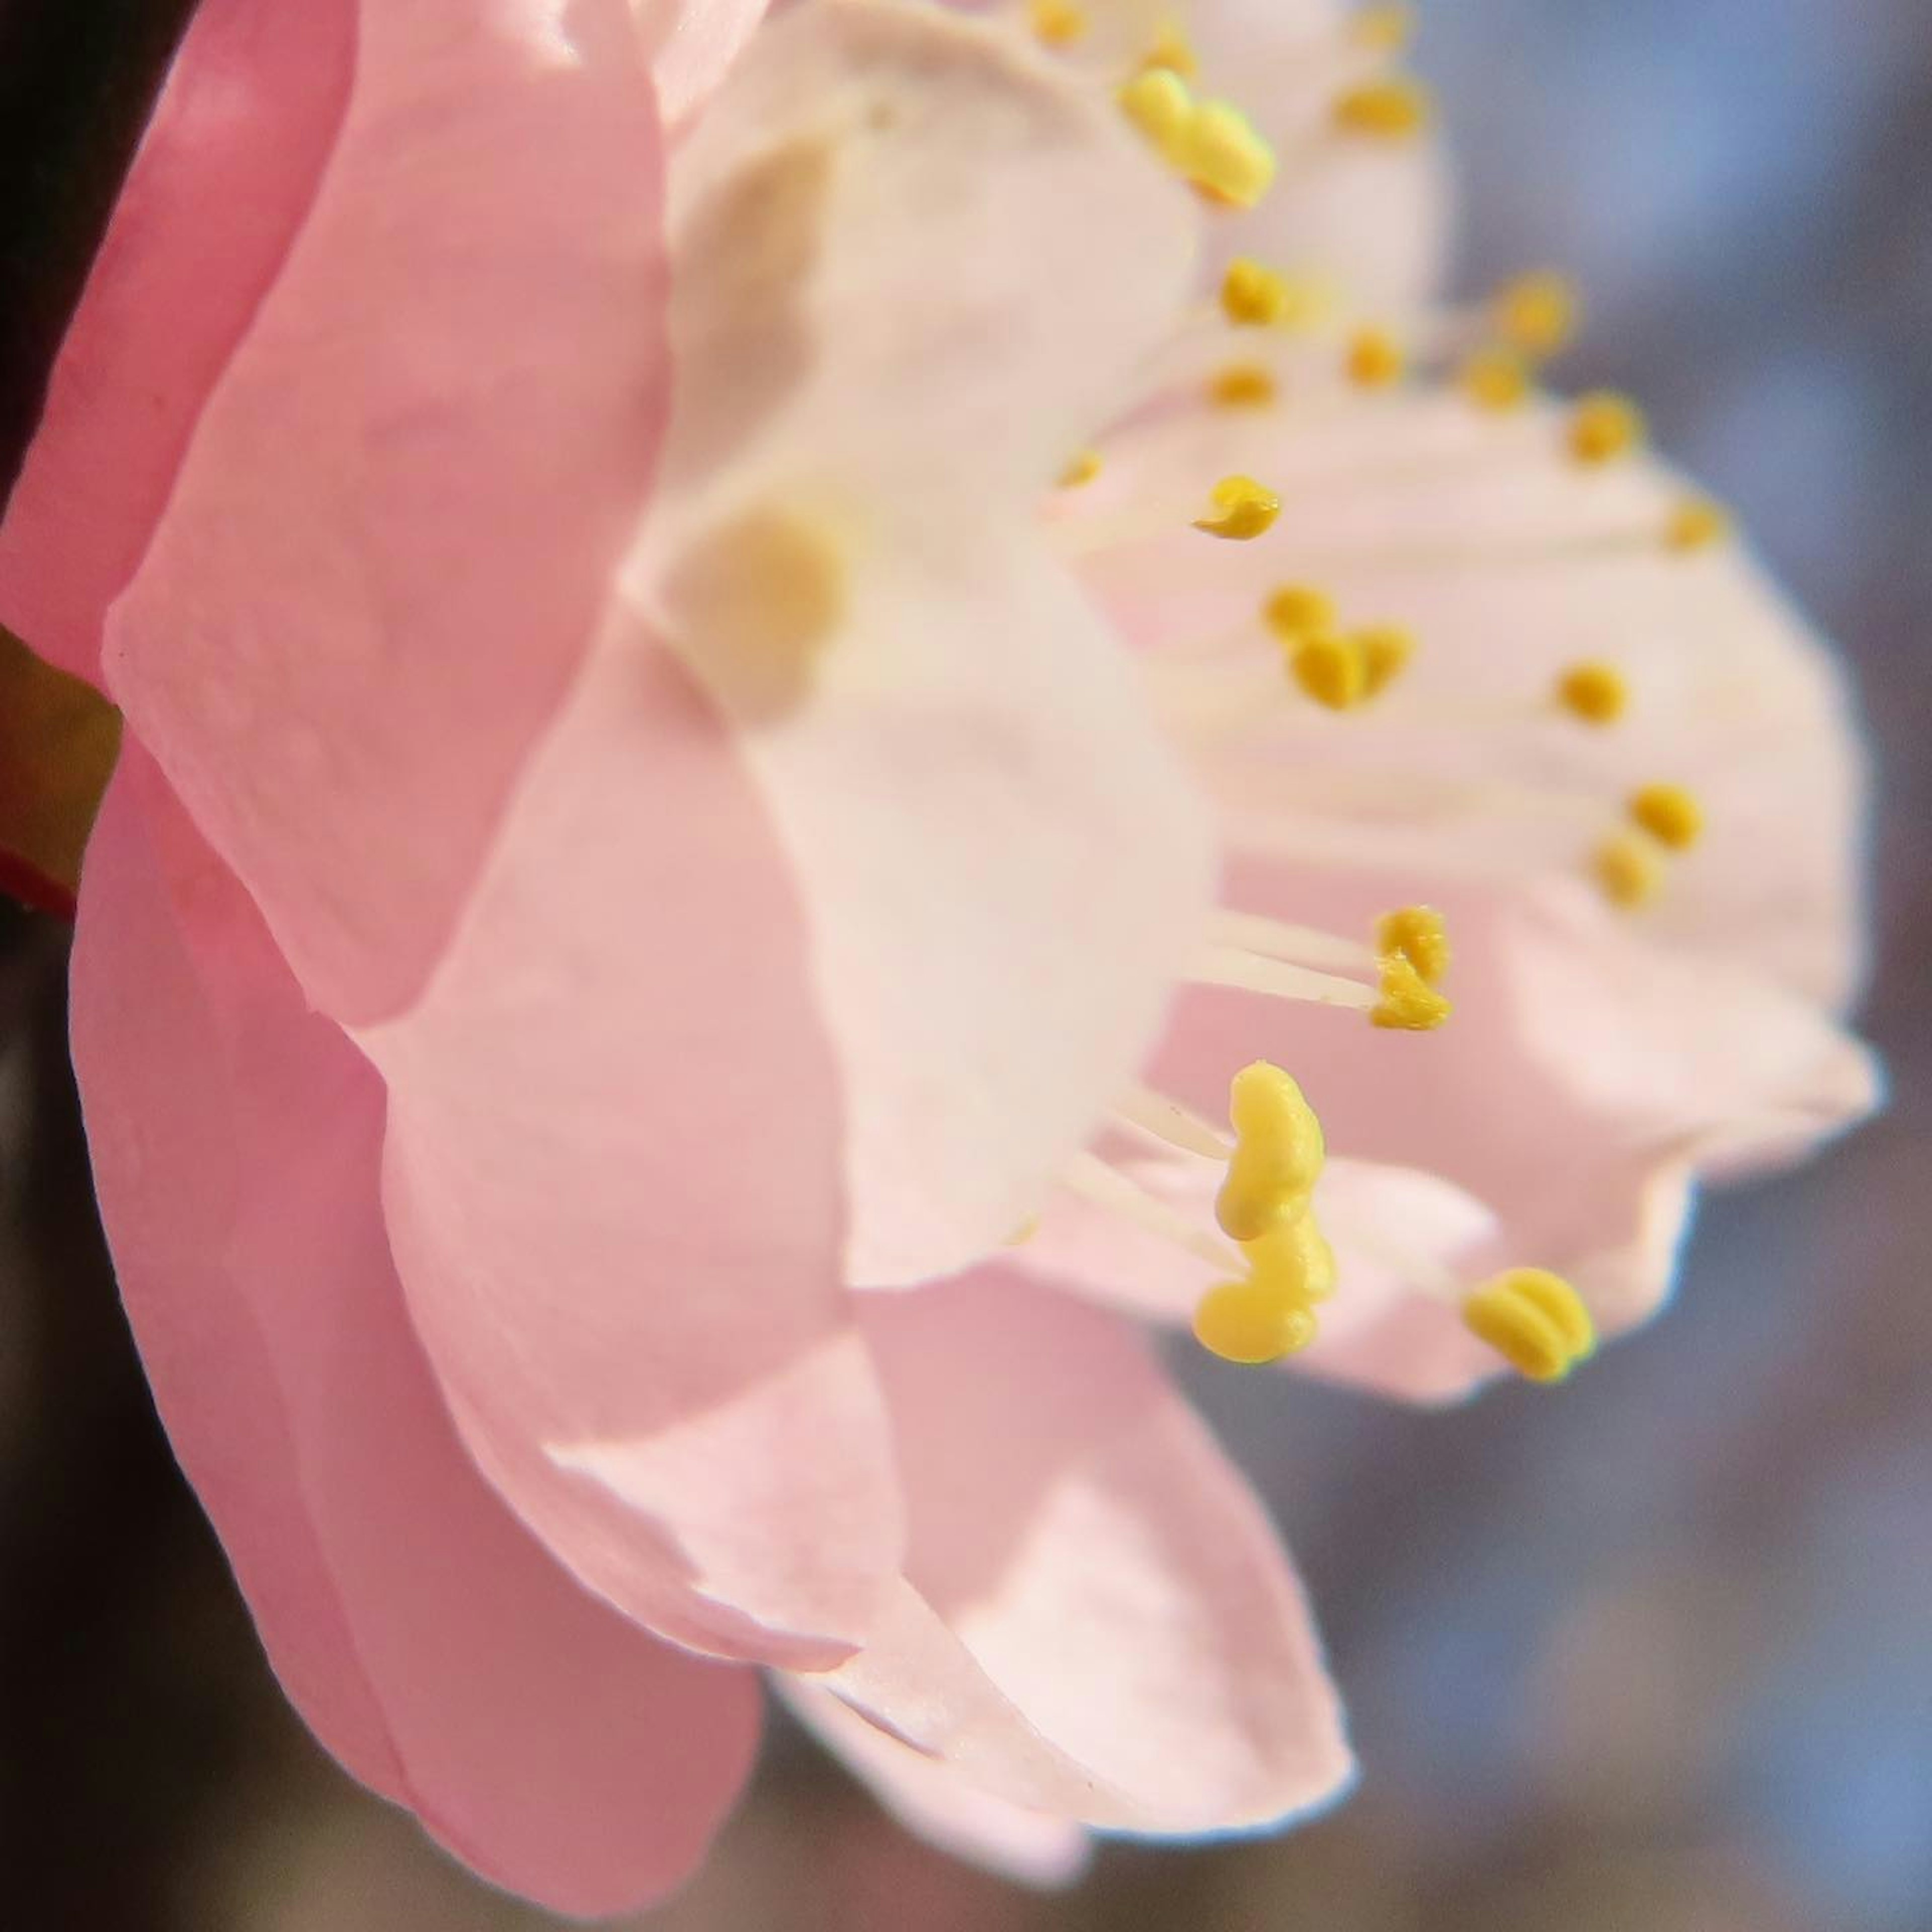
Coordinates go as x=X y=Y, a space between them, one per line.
x=1594 y=692
x=1057 y=23
x=1420 y=934
x=1243 y=386
x=1161 y=105
x=1278 y=1153
x=1408 y=1004
x=1374 y=359
x=1630 y=869
x=1294 y=1258
x=1669 y=813
x=1535 y=1320
x=1243 y=510
x=1385 y=28
x=1333 y=671
x=1081 y=470
x=1173 y=50
x=1297 y=609
x=1395 y=108
x=1604 y=426
x=1386 y=650
x=1536 y=314
x=1226 y=159
x=1250 y=1322
x=1496 y=379
x=1252 y=296
x=1696 y=523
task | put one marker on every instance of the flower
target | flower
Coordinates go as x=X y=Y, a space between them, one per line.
x=653 y=839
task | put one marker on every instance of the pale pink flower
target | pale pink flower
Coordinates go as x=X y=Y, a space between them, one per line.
x=633 y=844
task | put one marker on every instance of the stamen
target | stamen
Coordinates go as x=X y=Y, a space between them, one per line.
x=1243 y=386
x=1095 y=1180
x=1173 y=50
x=1244 y=972
x=1535 y=1320
x=1386 y=28
x=1057 y=23
x=1331 y=670
x=1252 y=296
x=1395 y=108
x=1296 y=609
x=1278 y=1153
x=1242 y=510
x=1420 y=934
x=1081 y=470
x=1294 y=1258
x=1298 y=945
x=1252 y=1323
x=1630 y=870
x=1496 y=379
x=1604 y=426
x=1537 y=314
x=1409 y=1003
x=1166 y=1119
x=1161 y=105
x=1596 y=693
x=1669 y=813
x=1386 y=651
x=1210 y=143
x=1696 y=523
x=1374 y=359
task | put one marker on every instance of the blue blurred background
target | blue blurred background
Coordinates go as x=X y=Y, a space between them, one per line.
x=1652 y=1654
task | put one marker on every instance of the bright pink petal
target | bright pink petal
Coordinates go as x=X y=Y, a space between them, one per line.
x=1105 y=1626
x=433 y=1644
x=388 y=546
x=224 y=177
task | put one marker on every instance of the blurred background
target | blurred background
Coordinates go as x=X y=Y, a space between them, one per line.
x=1654 y=1655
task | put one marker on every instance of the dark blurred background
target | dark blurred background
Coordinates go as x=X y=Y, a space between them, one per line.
x=1653 y=1654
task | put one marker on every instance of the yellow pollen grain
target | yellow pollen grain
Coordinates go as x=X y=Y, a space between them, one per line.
x=1253 y=296
x=1535 y=1320
x=1408 y=1004
x=1249 y=1323
x=1496 y=379
x=1696 y=523
x=1278 y=1155
x=1386 y=650
x=1420 y=934
x=1630 y=869
x=1243 y=510
x=1537 y=314
x=1604 y=426
x=1596 y=693
x=1671 y=814
x=1395 y=108
x=1385 y=28
x=1081 y=470
x=1296 y=609
x=1057 y=23
x=1243 y=386
x=1374 y=359
x=1173 y=50
x=1333 y=671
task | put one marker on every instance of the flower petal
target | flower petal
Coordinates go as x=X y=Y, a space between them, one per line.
x=388 y=548
x=913 y=268
x=225 y=175
x=1123 y=1641
x=690 y=44
x=432 y=1643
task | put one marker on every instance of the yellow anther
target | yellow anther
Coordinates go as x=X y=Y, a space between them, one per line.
x=1242 y=510
x=1603 y=427
x=1293 y=1258
x=1535 y=1320
x=1420 y=934
x=1536 y=314
x=1248 y=1322
x=1081 y=470
x=1696 y=523
x=1386 y=28
x=1596 y=693
x=1333 y=671
x=1374 y=359
x=1386 y=650
x=1278 y=1153
x=1252 y=296
x=1630 y=869
x=1057 y=23
x=1226 y=159
x=1296 y=609
x=1496 y=379
x=1409 y=1003
x=1243 y=386
x=1161 y=105
x=1669 y=813
x=1173 y=50
x=1395 y=108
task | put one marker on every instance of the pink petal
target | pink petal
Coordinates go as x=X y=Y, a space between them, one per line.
x=225 y=175
x=388 y=548
x=612 y=1181
x=1122 y=1640
x=913 y=268
x=433 y=1645
x=690 y=44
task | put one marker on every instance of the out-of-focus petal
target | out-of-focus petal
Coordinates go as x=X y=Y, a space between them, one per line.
x=1104 y=1623
x=434 y=1646
x=690 y=44
x=388 y=546
x=928 y=1797
x=613 y=1188
x=914 y=267
x=225 y=175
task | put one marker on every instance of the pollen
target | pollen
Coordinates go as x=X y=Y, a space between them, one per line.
x=1278 y=1153
x=1173 y=50
x=1669 y=813
x=1227 y=160
x=1081 y=470
x=1374 y=359
x=1243 y=510
x=1252 y=1323
x=1333 y=671
x=1496 y=379
x=1396 y=108
x=1536 y=314
x=1253 y=296
x=1385 y=28
x=1297 y=609
x=1243 y=386
x=1696 y=523
x=1420 y=934
x=1604 y=426
x=1630 y=869
x=1386 y=650
x=1409 y=1003
x=1535 y=1320
x=1596 y=693
x=1057 y=23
